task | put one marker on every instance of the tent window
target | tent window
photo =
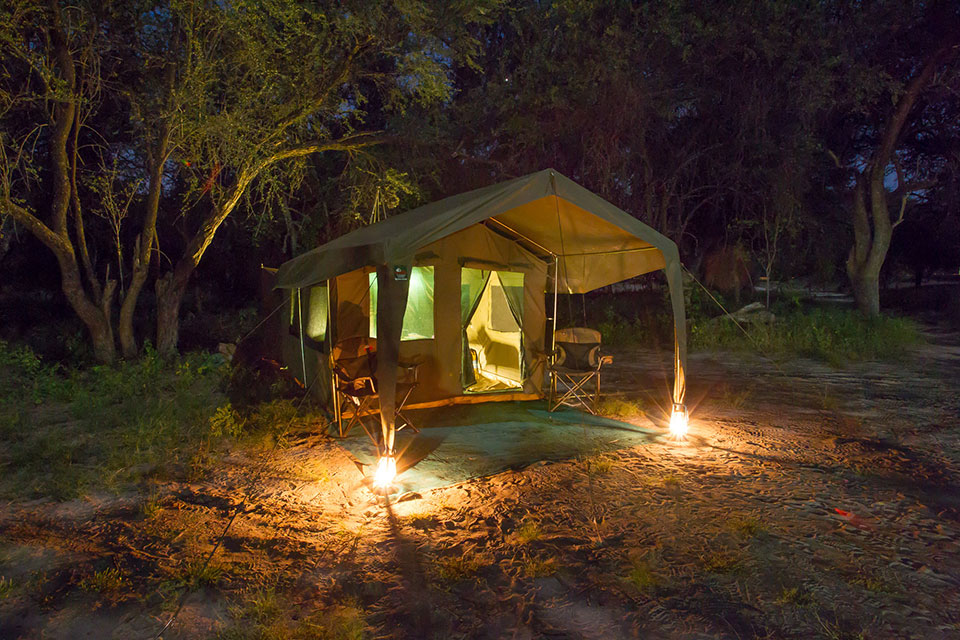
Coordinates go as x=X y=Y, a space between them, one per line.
x=418 y=315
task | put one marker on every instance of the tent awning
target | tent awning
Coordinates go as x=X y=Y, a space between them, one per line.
x=596 y=243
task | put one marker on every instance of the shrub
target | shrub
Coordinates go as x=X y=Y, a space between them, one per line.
x=832 y=335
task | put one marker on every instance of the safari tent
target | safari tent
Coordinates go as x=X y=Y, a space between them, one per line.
x=467 y=286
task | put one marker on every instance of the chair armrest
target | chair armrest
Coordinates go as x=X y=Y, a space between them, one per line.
x=605 y=360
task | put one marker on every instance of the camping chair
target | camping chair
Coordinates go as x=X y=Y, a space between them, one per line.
x=354 y=368
x=575 y=368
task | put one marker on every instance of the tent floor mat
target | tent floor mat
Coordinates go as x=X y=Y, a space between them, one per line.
x=486 y=385
x=464 y=442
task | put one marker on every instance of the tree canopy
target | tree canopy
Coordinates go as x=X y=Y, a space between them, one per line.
x=138 y=136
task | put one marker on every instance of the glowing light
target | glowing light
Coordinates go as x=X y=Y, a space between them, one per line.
x=679 y=421
x=386 y=472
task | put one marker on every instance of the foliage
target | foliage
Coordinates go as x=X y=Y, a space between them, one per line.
x=226 y=421
x=102 y=427
x=835 y=336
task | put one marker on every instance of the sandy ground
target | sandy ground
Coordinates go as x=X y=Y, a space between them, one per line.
x=807 y=502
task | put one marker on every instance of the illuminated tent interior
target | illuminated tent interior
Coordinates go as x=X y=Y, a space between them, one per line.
x=466 y=286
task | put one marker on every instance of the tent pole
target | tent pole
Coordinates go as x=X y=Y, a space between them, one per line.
x=553 y=331
x=519 y=235
x=334 y=397
x=303 y=356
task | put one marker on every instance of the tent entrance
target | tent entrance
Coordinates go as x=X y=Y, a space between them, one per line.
x=491 y=310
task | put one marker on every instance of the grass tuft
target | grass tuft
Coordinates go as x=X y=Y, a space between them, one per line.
x=197 y=575
x=600 y=464
x=621 y=408
x=748 y=527
x=721 y=562
x=6 y=588
x=422 y=520
x=104 y=581
x=456 y=568
x=642 y=576
x=795 y=596
x=540 y=567
x=529 y=531
x=670 y=481
x=343 y=622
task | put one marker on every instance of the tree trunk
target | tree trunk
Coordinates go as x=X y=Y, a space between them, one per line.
x=170 y=290
x=96 y=320
x=870 y=244
x=128 y=339
x=143 y=250
x=866 y=293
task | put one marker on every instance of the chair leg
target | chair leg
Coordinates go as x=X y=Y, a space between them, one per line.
x=399 y=412
x=596 y=397
x=552 y=392
x=576 y=394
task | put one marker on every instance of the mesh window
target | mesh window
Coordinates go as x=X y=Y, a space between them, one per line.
x=500 y=317
x=316 y=325
x=418 y=315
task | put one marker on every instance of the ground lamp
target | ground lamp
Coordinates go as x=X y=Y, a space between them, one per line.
x=386 y=473
x=679 y=421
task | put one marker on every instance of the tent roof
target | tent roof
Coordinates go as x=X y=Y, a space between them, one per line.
x=597 y=243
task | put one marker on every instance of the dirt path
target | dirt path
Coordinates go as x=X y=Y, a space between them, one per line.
x=807 y=502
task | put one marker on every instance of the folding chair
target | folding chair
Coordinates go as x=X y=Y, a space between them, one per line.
x=355 y=367
x=575 y=369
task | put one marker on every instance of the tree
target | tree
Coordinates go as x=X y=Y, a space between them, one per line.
x=52 y=79
x=210 y=107
x=878 y=133
x=264 y=85
x=872 y=223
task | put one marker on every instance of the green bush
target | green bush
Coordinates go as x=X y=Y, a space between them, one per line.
x=832 y=335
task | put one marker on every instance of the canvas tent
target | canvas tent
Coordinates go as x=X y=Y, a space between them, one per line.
x=466 y=285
